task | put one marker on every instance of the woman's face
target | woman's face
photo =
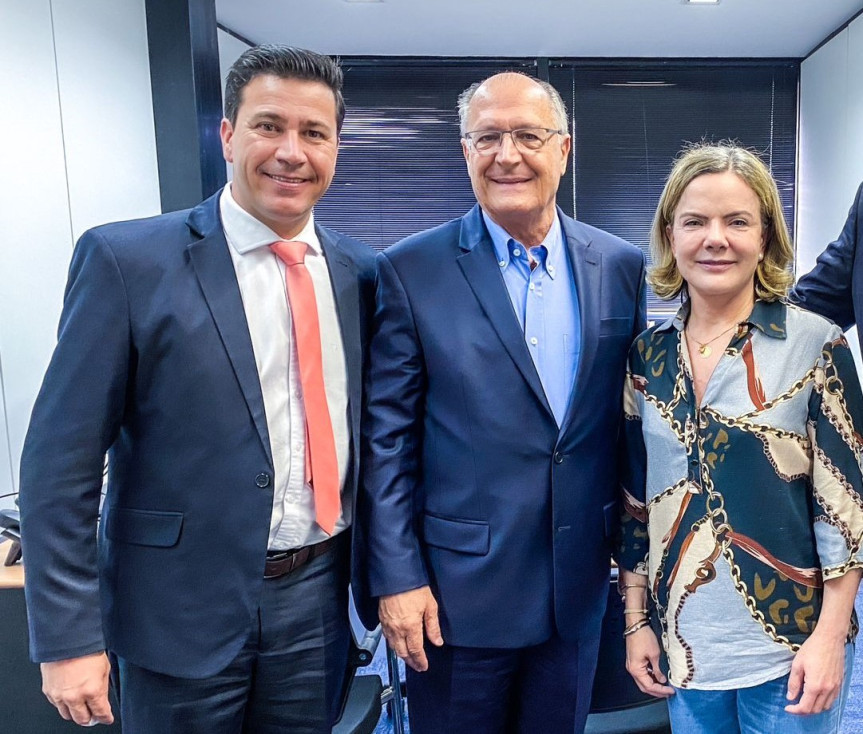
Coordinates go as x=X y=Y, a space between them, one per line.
x=717 y=236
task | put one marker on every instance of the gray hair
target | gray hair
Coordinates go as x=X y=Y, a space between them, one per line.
x=558 y=108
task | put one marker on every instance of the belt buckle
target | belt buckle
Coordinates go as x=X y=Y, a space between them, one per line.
x=291 y=560
x=281 y=560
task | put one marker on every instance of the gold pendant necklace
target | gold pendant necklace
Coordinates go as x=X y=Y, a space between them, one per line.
x=704 y=348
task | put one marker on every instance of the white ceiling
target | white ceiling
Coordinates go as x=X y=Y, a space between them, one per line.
x=543 y=28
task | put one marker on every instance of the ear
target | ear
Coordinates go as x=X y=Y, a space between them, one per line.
x=565 y=147
x=226 y=133
x=465 y=150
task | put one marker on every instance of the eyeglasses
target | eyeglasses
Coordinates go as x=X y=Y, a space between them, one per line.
x=526 y=139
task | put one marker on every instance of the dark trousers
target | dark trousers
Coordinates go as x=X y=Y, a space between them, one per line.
x=287 y=678
x=544 y=689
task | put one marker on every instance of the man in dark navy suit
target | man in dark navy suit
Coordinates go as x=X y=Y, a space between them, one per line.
x=228 y=400
x=494 y=403
x=834 y=287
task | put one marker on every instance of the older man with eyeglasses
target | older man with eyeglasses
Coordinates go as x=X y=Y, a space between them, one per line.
x=489 y=467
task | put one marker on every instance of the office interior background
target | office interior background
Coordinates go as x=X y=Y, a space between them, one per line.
x=112 y=107
x=95 y=127
x=111 y=111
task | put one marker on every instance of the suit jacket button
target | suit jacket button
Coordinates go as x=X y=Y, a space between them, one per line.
x=558 y=457
x=263 y=480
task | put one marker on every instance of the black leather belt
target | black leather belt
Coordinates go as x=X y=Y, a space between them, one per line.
x=281 y=562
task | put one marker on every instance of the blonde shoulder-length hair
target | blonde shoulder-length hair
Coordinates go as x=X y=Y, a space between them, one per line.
x=773 y=276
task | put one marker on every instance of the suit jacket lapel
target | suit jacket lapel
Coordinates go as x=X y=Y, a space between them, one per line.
x=479 y=265
x=215 y=272
x=587 y=274
x=345 y=282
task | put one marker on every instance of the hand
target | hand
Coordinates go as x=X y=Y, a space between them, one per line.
x=78 y=687
x=403 y=617
x=642 y=663
x=818 y=669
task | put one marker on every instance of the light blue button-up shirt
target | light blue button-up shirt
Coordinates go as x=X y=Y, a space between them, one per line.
x=545 y=302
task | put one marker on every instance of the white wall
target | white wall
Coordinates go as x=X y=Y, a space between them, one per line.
x=79 y=151
x=831 y=141
x=831 y=145
x=230 y=49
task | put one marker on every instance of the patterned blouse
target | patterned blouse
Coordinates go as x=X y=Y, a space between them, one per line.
x=737 y=510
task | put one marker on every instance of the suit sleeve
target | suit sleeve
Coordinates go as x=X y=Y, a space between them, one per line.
x=641 y=305
x=827 y=288
x=630 y=447
x=392 y=441
x=75 y=419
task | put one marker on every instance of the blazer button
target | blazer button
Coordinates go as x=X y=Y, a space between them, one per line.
x=263 y=480
x=558 y=457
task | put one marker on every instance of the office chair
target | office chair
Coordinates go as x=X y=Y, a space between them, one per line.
x=10 y=528
x=617 y=705
x=361 y=695
x=393 y=695
x=364 y=696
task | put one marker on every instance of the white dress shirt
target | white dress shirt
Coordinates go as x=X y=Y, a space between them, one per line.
x=261 y=276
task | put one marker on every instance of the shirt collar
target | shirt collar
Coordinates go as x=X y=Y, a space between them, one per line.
x=246 y=233
x=767 y=316
x=501 y=240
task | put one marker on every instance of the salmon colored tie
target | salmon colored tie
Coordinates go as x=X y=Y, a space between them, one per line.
x=321 y=464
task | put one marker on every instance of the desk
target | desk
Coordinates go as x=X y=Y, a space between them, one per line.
x=23 y=708
x=11 y=577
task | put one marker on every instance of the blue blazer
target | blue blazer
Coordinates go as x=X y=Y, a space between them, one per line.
x=471 y=486
x=834 y=287
x=154 y=365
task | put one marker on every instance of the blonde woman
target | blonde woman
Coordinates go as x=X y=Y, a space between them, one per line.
x=743 y=512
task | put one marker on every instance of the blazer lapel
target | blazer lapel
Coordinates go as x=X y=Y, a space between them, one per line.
x=587 y=275
x=215 y=272
x=479 y=265
x=345 y=282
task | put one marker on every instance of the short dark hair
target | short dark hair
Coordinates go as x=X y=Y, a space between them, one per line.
x=285 y=62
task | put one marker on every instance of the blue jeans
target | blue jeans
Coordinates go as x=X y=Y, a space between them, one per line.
x=756 y=710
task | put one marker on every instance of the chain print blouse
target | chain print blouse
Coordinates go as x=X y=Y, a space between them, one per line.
x=738 y=509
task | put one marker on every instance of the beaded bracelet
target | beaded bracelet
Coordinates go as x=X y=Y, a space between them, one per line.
x=633 y=628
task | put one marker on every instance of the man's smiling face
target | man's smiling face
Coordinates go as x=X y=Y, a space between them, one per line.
x=516 y=189
x=283 y=147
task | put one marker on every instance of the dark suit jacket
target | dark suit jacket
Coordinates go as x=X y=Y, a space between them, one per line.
x=154 y=364
x=834 y=287
x=472 y=487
